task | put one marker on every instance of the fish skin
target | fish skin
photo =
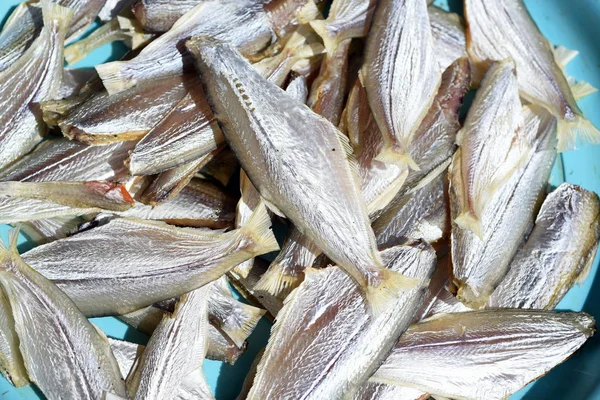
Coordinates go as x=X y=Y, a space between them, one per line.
x=85 y=12
x=346 y=19
x=491 y=144
x=176 y=348
x=75 y=362
x=483 y=354
x=34 y=77
x=12 y=366
x=18 y=33
x=168 y=184
x=125 y=353
x=160 y=15
x=317 y=190
x=42 y=231
x=298 y=88
x=112 y=8
x=128 y=115
x=60 y=159
x=285 y=15
x=500 y=29
x=221 y=167
x=326 y=319
x=15 y=210
x=189 y=131
x=558 y=252
x=156 y=269
x=75 y=79
x=479 y=264
x=400 y=93
x=381 y=391
x=449 y=35
x=93 y=194
x=236 y=319
x=241 y=22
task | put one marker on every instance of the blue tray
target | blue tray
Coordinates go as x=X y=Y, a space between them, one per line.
x=573 y=24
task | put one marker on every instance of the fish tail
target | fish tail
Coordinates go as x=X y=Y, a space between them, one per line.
x=279 y=282
x=391 y=283
x=55 y=14
x=320 y=26
x=579 y=130
x=389 y=155
x=259 y=229
x=114 y=76
x=245 y=329
x=469 y=221
x=581 y=89
x=308 y=12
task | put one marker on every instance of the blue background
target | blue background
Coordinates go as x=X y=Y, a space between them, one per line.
x=574 y=24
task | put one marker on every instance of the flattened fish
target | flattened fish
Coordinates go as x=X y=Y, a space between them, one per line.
x=381 y=391
x=162 y=261
x=449 y=36
x=491 y=144
x=188 y=132
x=11 y=360
x=34 y=77
x=19 y=31
x=47 y=230
x=176 y=348
x=483 y=354
x=129 y=115
x=75 y=360
x=499 y=29
x=559 y=251
x=160 y=15
x=400 y=93
x=316 y=189
x=243 y=23
x=74 y=80
x=298 y=88
x=479 y=264
x=85 y=12
x=112 y=8
x=325 y=344
x=125 y=353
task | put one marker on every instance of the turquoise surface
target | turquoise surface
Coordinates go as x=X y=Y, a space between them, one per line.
x=574 y=24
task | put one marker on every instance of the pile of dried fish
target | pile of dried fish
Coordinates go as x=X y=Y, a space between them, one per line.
x=424 y=253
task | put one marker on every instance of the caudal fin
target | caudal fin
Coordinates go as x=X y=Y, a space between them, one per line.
x=578 y=131
x=278 y=282
x=389 y=155
x=259 y=229
x=114 y=77
x=392 y=284
x=469 y=221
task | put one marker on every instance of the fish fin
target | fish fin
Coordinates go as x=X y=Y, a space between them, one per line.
x=239 y=335
x=382 y=296
x=390 y=156
x=309 y=50
x=278 y=282
x=320 y=27
x=388 y=194
x=581 y=89
x=469 y=221
x=308 y=12
x=564 y=56
x=55 y=12
x=113 y=77
x=260 y=230
x=577 y=130
x=273 y=208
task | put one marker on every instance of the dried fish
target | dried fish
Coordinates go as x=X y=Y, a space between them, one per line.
x=189 y=131
x=346 y=19
x=129 y=115
x=60 y=159
x=316 y=189
x=75 y=79
x=479 y=264
x=155 y=268
x=298 y=88
x=449 y=36
x=118 y=29
x=501 y=29
x=18 y=33
x=559 y=251
x=381 y=391
x=11 y=361
x=286 y=15
x=243 y=23
x=236 y=319
x=491 y=144
x=85 y=12
x=34 y=77
x=112 y=8
x=483 y=354
x=125 y=353
x=73 y=347
x=222 y=167
x=160 y=15
x=47 y=230
x=93 y=194
x=400 y=93
x=176 y=348
x=326 y=319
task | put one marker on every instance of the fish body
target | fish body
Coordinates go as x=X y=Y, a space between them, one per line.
x=558 y=252
x=243 y=23
x=160 y=15
x=315 y=188
x=449 y=35
x=75 y=362
x=33 y=77
x=483 y=354
x=381 y=391
x=399 y=92
x=125 y=353
x=42 y=231
x=18 y=33
x=499 y=29
x=162 y=261
x=11 y=360
x=480 y=263
x=326 y=319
